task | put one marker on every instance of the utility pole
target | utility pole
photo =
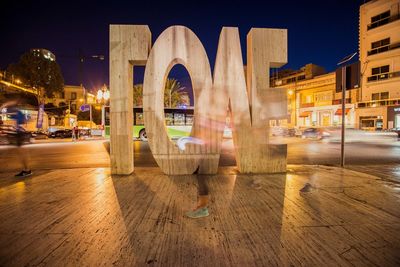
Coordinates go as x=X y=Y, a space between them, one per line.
x=343 y=116
x=82 y=59
x=342 y=62
x=90 y=119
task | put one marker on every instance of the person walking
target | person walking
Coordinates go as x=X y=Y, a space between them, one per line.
x=75 y=133
x=201 y=209
x=20 y=138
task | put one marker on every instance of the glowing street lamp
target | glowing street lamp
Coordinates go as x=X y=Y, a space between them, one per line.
x=99 y=95
x=103 y=95
x=106 y=95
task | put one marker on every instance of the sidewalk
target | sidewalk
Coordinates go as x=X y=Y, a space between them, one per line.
x=88 y=217
x=65 y=140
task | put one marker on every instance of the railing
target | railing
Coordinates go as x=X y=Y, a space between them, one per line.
x=383 y=49
x=339 y=101
x=379 y=103
x=306 y=105
x=383 y=21
x=383 y=76
x=21 y=88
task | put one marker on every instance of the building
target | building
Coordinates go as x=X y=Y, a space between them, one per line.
x=314 y=97
x=31 y=122
x=40 y=52
x=289 y=80
x=73 y=96
x=379 y=50
x=318 y=104
x=289 y=76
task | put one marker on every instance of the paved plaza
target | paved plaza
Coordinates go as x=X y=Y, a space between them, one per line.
x=86 y=217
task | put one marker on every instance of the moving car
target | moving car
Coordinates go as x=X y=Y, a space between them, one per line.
x=8 y=135
x=359 y=136
x=314 y=133
x=39 y=135
x=396 y=130
x=284 y=131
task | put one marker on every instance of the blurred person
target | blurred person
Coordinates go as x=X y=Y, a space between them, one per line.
x=20 y=135
x=75 y=133
x=201 y=209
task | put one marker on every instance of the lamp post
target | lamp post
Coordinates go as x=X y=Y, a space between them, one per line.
x=342 y=64
x=82 y=58
x=103 y=95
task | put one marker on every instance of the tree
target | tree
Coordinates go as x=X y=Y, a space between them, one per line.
x=173 y=94
x=34 y=70
x=138 y=95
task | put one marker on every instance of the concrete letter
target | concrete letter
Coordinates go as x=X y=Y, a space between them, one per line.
x=129 y=45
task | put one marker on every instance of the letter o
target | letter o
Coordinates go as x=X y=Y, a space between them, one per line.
x=178 y=45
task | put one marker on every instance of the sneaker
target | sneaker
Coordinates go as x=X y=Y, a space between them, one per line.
x=28 y=173
x=198 y=213
x=307 y=188
x=20 y=174
x=24 y=173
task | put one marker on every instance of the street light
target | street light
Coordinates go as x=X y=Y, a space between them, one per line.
x=103 y=95
x=81 y=57
x=342 y=63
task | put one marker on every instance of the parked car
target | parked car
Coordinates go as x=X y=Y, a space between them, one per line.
x=8 y=134
x=64 y=133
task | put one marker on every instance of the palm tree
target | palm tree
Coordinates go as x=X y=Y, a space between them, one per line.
x=173 y=94
x=138 y=95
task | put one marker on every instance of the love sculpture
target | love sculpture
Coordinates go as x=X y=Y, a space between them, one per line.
x=252 y=102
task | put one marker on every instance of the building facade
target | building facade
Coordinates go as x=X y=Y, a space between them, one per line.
x=313 y=100
x=318 y=104
x=379 y=50
x=73 y=96
x=289 y=80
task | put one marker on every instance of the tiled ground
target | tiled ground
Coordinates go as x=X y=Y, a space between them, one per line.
x=85 y=217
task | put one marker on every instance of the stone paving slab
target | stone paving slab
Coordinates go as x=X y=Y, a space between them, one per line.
x=86 y=217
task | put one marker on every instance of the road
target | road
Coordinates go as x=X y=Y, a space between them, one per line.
x=94 y=153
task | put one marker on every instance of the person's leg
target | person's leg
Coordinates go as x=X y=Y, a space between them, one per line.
x=203 y=196
x=201 y=209
x=23 y=156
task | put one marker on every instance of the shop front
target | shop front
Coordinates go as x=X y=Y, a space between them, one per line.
x=326 y=116
x=305 y=118
x=372 y=119
x=393 y=117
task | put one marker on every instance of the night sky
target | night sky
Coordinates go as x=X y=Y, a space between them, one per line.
x=320 y=32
